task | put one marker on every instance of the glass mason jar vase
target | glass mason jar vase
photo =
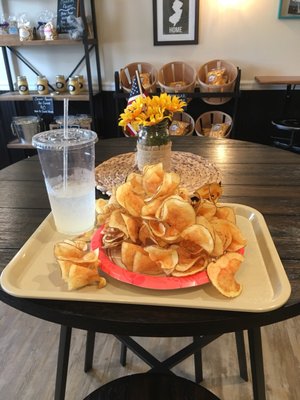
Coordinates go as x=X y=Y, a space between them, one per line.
x=154 y=145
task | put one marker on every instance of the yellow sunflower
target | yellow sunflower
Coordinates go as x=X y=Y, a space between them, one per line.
x=148 y=111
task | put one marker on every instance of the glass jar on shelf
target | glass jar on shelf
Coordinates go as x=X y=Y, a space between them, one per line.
x=22 y=85
x=73 y=85
x=60 y=83
x=80 y=82
x=42 y=85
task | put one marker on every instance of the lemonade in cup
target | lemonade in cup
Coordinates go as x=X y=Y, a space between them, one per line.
x=68 y=165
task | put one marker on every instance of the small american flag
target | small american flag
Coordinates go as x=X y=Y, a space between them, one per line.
x=136 y=91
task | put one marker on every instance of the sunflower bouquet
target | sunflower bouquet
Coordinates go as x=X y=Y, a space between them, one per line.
x=150 y=111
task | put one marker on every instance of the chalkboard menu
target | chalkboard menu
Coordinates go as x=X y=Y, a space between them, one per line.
x=42 y=105
x=65 y=8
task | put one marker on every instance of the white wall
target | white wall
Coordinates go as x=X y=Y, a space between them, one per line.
x=246 y=32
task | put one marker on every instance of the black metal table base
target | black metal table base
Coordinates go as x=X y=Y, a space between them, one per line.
x=192 y=349
x=149 y=386
x=62 y=362
x=255 y=346
x=195 y=349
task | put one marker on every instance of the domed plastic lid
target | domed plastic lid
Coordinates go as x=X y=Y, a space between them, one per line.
x=56 y=140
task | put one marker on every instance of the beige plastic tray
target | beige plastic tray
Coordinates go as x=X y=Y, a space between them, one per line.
x=34 y=273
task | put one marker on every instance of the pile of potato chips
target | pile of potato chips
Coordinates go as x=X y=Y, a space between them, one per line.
x=79 y=265
x=163 y=229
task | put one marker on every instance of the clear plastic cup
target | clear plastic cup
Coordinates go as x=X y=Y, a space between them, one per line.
x=68 y=166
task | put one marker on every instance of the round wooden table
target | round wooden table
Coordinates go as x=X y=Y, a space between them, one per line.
x=262 y=177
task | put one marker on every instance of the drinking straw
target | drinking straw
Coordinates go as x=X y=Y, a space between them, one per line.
x=66 y=134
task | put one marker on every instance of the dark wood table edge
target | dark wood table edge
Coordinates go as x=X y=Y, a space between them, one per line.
x=152 y=323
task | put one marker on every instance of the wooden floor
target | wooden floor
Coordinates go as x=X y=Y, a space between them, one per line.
x=28 y=348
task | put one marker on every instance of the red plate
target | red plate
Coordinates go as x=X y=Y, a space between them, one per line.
x=146 y=281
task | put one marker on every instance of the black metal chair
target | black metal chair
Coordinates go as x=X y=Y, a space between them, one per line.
x=290 y=128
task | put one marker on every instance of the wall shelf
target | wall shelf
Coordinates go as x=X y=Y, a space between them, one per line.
x=87 y=44
x=14 y=41
x=15 y=96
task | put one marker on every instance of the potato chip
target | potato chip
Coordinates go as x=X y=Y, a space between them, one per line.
x=152 y=236
x=84 y=238
x=129 y=200
x=103 y=209
x=177 y=213
x=218 y=246
x=230 y=234
x=238 y=240
x=80 y=276
x=223 y=230
x=152 y=177
x=184 y=194
x=101 y=218
x=224 y=212
x=75 y=251
x=160 y=230
x=112 y=237
x=102 y=282
x=90 y=259
x=191 y=247
x=145 y=234
x=172 y=236
x=136 y=182
x=100 y=204
x=198 y=266
x=79 y=243
x=165 y=258
x=210 y=191
x=128 y=251
x=65 y=269
x=206 y=209
x=149 y=209
x=222 y=274
x=200 y=236
x=186 y=259
x=157 y=228
x=169 y=184
x=78 y=265
x=67 y=249
x=132 y=225
x=144 y=265
x=200 y=220
x=136 y=259
x=117 y=222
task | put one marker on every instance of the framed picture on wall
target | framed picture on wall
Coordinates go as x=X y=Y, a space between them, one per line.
x=289 y=9
x=175 y=22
